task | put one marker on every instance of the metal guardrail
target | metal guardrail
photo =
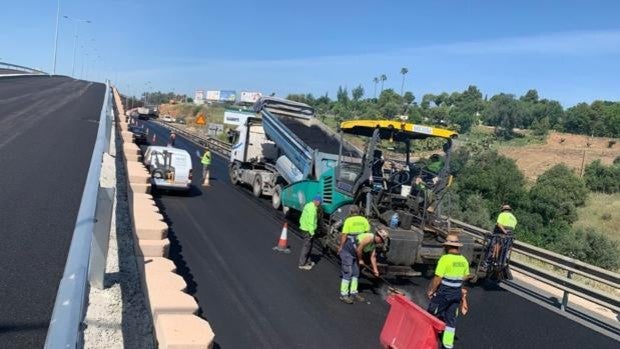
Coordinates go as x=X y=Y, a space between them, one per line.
x=569 y=266
x=21 y=68
x=211 y=143
x=93 y=219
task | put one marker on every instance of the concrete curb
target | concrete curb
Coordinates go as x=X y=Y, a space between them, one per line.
x=173 y=311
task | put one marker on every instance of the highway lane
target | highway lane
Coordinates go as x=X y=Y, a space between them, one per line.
x=47 y=132
x=253 y=297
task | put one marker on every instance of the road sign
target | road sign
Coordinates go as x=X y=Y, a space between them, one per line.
x=200 y=119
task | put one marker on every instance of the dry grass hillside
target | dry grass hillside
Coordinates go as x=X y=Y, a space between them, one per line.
x=573 y=150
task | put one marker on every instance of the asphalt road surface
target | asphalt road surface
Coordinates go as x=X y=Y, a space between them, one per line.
x=48 y=127
x=222 y=239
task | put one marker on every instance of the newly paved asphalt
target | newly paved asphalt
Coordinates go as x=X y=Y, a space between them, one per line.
x=47 y=133
x=222 y=239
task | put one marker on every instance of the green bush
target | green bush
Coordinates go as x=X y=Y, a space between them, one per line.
x=601 y=178
x=591 y=247
x=557 y=194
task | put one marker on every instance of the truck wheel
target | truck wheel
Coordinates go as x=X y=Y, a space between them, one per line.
x=234 y=174
x=257 y=186
x=276 y=198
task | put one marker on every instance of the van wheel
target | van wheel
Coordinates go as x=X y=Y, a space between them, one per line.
x=159 y=174
x=234 y=174
x=257 y=186
x=276 y=198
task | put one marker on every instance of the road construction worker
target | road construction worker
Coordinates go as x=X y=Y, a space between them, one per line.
x=367 y=246
x=503 y=233
x=446 y=291
x=308 y=223
x=206 y=163
x=172 y=139
x=354 y=225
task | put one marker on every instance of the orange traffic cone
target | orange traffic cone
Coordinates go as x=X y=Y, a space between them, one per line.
x=282 y=243
x=154 y=138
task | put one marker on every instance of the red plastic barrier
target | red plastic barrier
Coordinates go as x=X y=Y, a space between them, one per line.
x=409 y=326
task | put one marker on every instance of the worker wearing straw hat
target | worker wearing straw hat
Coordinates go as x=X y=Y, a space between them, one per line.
x=446 y=289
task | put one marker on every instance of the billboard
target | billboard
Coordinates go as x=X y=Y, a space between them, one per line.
x=236 y=118
x=228 y=96
x=249 y=97
x=199 y=95
x=213 y=95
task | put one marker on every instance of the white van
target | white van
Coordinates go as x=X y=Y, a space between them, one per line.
x=170 y=168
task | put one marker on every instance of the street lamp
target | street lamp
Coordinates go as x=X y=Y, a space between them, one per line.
x=77 y=21
x=56 y=38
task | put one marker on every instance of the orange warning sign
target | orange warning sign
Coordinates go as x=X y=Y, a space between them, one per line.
x=200 y=119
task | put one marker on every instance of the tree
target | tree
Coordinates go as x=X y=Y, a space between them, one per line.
x=403 y=72
x=495 y=177
x=408 y=98
x=376 y=81
x=426 y=100
x=599 y=177
x=383 y=77
x=557 y=194
x=503 y=112
x=357 y=93
x=531 y=96
x=589 y=246
x=342 y=96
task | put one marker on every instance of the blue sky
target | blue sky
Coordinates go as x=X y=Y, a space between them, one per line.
x=568 y=50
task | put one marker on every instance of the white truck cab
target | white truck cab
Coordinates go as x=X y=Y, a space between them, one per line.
x=170 y=168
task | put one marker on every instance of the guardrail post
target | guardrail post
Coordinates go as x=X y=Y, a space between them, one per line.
x=101 y=237
x=569 y=274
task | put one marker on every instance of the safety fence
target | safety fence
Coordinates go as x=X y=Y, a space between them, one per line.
x=587 y=274
x=87 y=253
x=19 y=68
x=556 y=266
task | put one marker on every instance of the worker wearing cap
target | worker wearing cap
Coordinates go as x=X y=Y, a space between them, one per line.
x=446 y=289
x=206 y=162
x=503 y=234
x=308 y=223
x=354 y=225
x=367 y=245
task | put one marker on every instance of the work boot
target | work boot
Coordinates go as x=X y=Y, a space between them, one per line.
x=305 y=267
x=358 y=298
x=346 y=299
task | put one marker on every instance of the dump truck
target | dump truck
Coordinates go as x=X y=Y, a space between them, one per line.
x=286 y=153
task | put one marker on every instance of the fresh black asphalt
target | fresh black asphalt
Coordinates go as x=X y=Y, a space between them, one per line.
x=253 y=297
x=48 y=127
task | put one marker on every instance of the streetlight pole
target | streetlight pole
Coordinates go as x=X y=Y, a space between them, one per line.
x=77 y=22
x=56 y=38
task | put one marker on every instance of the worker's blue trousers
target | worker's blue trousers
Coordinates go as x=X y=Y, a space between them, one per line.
x=445 y=305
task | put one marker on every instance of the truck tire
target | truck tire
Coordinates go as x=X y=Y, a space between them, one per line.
x=257 y=186
x=233 y=172
x=276 y=198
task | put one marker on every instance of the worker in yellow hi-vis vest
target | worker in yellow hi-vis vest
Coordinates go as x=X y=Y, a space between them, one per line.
x=446 y=289
x=206 y=163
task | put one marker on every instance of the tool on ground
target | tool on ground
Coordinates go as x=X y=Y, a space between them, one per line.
x=283 y=242
x=392 y=290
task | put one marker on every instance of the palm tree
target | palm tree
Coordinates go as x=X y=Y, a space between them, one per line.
x=376 y=81
x=404 y=72
x=383 y=77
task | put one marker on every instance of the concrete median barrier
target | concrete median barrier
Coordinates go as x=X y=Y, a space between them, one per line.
x=162 y=301
x=176 y=331
x=152 y=248
x=173 y=311
x=154 y=264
